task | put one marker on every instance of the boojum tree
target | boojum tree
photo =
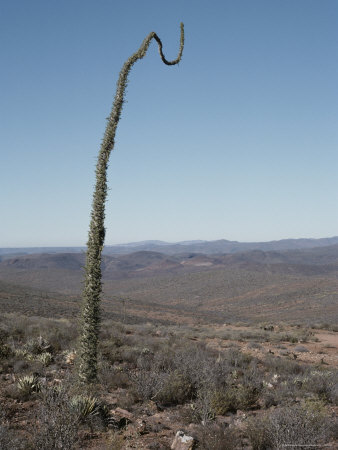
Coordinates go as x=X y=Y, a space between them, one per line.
x=90 y=321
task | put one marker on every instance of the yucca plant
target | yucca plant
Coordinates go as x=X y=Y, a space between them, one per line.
x=85 y=406
x=90 y=322
x=37 y=345
x=45 y=358
x=28 y=385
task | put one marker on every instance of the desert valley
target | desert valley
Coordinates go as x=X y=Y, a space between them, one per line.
x=223 y=342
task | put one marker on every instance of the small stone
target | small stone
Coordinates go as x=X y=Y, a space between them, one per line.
x=141 y=426
x=121 y=416
x=182 y=442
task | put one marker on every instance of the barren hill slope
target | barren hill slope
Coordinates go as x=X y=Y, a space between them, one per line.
x=256 y=285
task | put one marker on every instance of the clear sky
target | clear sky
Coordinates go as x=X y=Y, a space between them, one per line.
x=237 y=142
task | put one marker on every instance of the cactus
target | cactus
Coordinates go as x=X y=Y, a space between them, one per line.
x=90 y=322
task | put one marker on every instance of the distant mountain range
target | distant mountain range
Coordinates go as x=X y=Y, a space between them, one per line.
x=206 y=247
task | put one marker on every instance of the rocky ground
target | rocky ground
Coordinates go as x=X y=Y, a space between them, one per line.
x=204 y=387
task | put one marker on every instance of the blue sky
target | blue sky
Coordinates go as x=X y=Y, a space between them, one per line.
x=237 y=142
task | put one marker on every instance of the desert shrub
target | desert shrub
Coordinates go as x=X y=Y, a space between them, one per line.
x=254 y=345
x=37 y=346
x=200 y=367
x=299 y=426
x=301 y=349
x=28 y=385
x=147 y=383
x=118 y=348
x=325 y=326
x=231 y=399
x=62 y=335
x=258 y=432
x=59 y=422
x=201 y=410
x=84 y=406
x=283 y=366
x=8 y=439
x=286 y=337
x=237 y=359
x=321 y=383
x=115 y=441
x=129 y=355
x=217 y=437
x=5 y=351
x=223 y=401
x=45 y=358
x=176 y=389
x=246 y=396
x=254 y=335
x=112 y=377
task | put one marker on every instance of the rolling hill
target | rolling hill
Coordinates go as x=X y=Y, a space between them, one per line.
x=293 y=285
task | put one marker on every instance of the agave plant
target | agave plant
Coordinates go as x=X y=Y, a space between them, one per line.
x=28 y=385
x=85 y=406
x=93 y=284
x=45 y=358
x=38 y=345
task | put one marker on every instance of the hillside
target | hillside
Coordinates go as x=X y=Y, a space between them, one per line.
x=297 y=285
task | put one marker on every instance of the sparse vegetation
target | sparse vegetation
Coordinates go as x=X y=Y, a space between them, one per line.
x=298 y=425
x=154 y=377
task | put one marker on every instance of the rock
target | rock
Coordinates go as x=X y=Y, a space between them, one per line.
x=182 y=442
x=141 y=426
x=121 y=417
x=70 y=357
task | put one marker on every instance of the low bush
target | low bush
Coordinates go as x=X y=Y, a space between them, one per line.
x=322 y=383
x=177 y=389
x=84 y=406
x=37 y=346
x=301 y=349
x=8 y=438
x=299 y=426
x=283 y=366
x=28 y=385
x=59 y=422
x=217 y=437
x=224 y=401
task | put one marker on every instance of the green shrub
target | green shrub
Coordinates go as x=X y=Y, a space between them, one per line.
x=299 y=426
x=176 y=389
x=223 y=401
x=218 y=437
x=27 y=385
x=85 y=406
x=283 y=366
x=36 y=346
x=322 y=383
x=231 y=399
x=45 y=358
x=246 y=396
x=5 y=351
